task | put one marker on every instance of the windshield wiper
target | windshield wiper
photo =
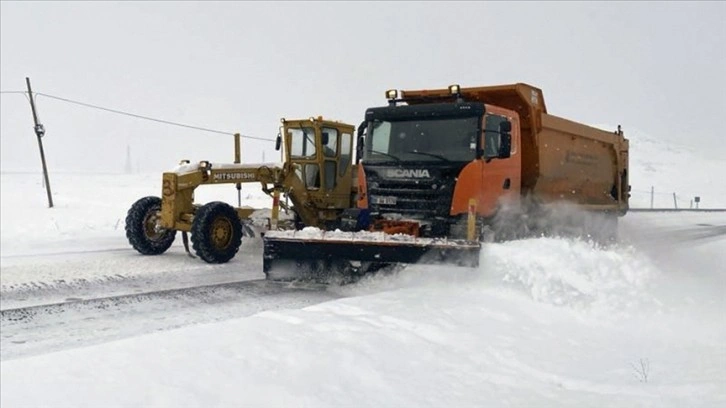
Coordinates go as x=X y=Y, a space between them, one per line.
x=438 y=156
x=386 y=154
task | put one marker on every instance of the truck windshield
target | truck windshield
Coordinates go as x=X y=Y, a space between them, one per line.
x=451 y=139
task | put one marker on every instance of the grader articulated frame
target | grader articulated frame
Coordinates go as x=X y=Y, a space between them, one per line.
x=316 y=176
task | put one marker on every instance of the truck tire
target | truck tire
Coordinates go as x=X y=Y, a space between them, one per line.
x=216 y=232
x=141 y=227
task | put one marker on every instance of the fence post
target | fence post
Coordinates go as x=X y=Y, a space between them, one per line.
x=238 y=160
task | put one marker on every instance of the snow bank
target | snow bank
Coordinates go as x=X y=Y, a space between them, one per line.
x=515 y=332
x=542 y=322
x=89 y=206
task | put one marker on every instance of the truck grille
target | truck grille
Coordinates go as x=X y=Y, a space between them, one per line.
x=425 y=198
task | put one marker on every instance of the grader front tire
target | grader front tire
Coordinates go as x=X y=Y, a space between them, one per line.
x=216 y=232
x=141 y=228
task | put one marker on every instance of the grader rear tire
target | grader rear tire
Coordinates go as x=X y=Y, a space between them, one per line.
x=216 y=232
x=141 y=227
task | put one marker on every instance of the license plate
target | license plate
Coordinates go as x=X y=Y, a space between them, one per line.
x=385 y=200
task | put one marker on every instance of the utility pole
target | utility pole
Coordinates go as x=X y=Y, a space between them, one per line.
x=39 y=132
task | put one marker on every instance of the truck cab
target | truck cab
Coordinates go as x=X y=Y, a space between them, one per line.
x=425 y=163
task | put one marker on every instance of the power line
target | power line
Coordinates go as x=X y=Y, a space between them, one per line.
x=88 y=105
x=25 y=93
x=120 y=112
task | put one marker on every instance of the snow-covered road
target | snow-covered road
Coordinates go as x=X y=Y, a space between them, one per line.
x=54 y=299
x=77 y=323
x=541 y=322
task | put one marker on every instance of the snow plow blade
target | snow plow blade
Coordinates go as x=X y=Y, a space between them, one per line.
x=300 y=255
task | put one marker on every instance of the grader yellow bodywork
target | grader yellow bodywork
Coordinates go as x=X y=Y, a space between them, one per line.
x=316 y=176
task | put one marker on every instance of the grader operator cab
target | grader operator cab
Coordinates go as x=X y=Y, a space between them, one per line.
x=316 y=176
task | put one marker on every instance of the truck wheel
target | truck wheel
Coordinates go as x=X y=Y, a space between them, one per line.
x=141 y=229
x=216 y=232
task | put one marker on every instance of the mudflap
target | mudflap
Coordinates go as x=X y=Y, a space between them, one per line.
x=344 y=260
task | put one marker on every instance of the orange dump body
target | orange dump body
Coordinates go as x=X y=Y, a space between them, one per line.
x=560 y=159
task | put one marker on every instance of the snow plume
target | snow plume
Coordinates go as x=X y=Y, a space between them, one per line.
x=573 y=273
x=530 y=217
x=569 y=260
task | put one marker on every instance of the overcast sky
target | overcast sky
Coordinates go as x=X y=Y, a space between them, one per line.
x=241 y=66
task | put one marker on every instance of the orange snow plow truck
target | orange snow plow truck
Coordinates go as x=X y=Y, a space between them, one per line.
x=441 y=171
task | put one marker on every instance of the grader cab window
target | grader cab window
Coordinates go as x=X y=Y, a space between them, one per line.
x=346 y=143
x=330 y=174
x=331 y=148
x=302 y=142
x=310 y=175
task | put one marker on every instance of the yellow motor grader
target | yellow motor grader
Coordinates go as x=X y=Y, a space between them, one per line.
x=316 y=176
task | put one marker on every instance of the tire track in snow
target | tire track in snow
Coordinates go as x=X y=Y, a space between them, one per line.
x=62 y=253
x=203 y=292
x=42 y=279
x=81 y=322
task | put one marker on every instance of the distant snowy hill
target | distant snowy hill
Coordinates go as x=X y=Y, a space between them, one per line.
x=672 y=168
x=658 y=162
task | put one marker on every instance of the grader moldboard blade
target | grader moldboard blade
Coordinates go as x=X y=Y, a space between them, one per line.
x=315 y=255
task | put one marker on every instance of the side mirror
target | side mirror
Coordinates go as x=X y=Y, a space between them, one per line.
x=325 y=138
x=360 y=141
x=361 y=129
x=278 y=142
x=359 y=146
x=505 y=146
